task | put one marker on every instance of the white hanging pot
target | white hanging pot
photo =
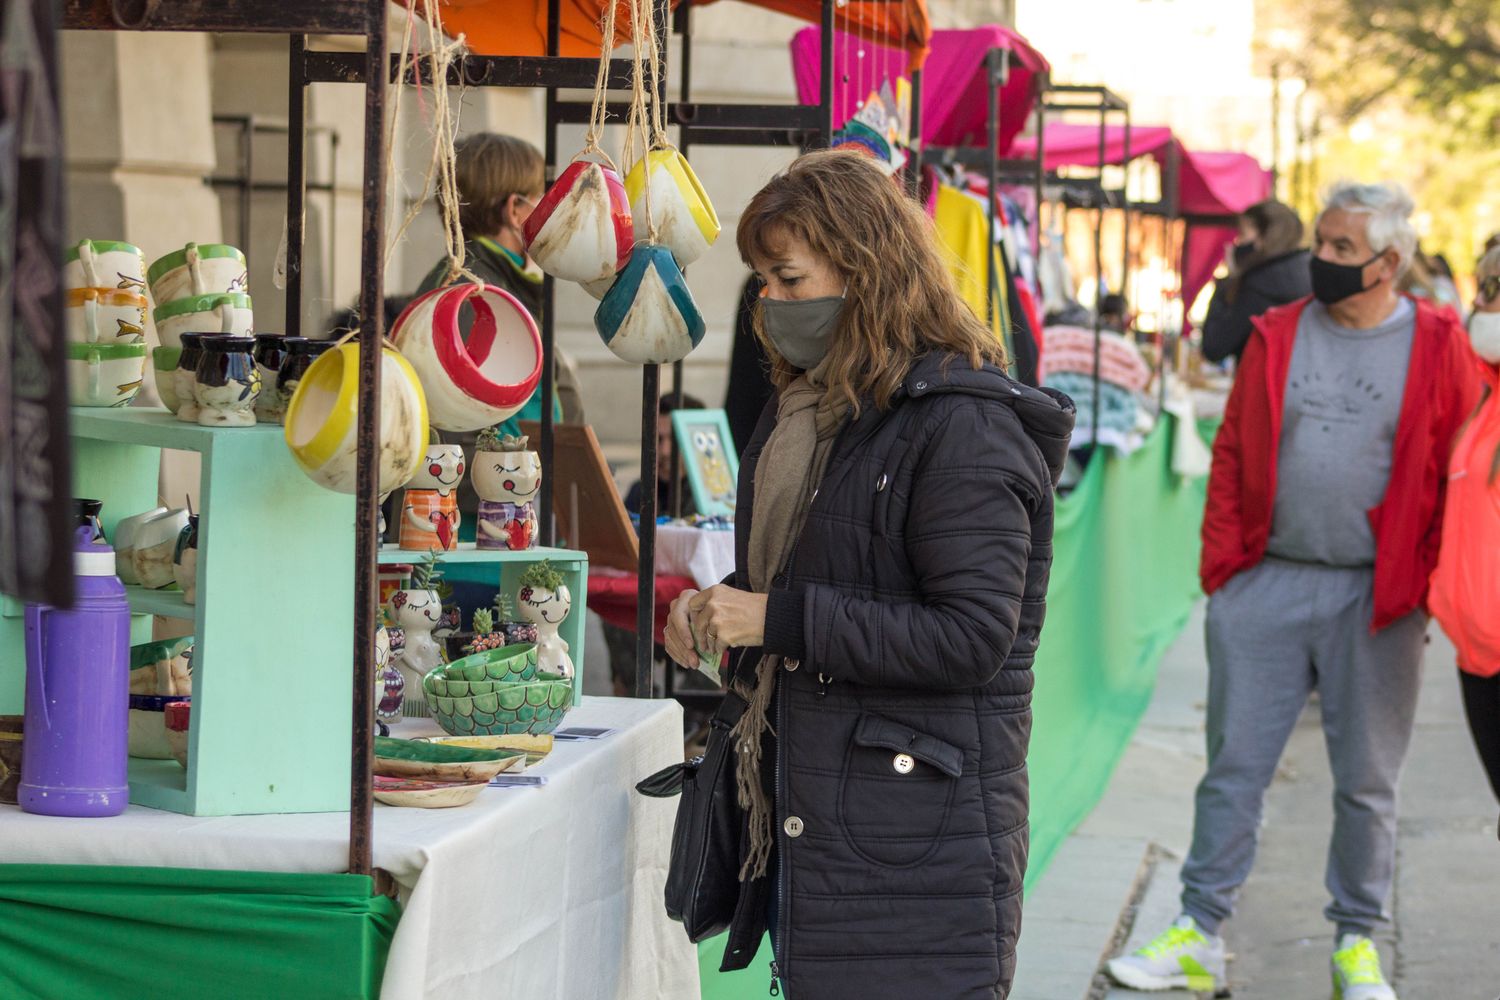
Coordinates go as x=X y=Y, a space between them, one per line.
x=581 y=230
x=322 y=429
x=685 y=219
x=474 y=384
x=648 y=317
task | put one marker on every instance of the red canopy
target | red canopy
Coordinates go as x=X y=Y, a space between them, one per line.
x=954 y=105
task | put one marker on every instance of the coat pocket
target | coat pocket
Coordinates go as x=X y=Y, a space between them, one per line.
x=897 y=791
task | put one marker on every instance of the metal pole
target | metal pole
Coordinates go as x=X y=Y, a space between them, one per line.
x=296 y=182
x=247 y=170
x=645 y=608
x=1099 y=274
x=1125 y=215
x=915 y=146
x=994 y=70
x=825 y=81
x=1041 y=163
x=366 y=497
x=1275 y=124
x=547 y=523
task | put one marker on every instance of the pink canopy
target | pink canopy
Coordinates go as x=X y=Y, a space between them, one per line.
x=1208 y=184
x=954 y=105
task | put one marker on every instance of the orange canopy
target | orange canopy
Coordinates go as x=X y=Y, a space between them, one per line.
x=519 y=27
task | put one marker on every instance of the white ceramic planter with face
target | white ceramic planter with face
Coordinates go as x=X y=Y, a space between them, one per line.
x=104 y=316
x=417 y=612
x=222 y=313
x=155 y=545
x=125 y=532
x=104 y=264
x=548 y=609
x=507 y=476
x=105 y=374
x=198 y=269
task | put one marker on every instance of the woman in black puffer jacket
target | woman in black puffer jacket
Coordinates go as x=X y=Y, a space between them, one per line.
x=894 y=542
x=1267 y=268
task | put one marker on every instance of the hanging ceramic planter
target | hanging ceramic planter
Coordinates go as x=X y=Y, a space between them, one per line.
x=479 y=383
x=581 y=230
x=321 y=425
x=685 y=219
x=649 y=317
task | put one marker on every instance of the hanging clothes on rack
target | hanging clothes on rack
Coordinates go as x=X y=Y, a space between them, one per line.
x=963 y=229
x=1123 y=420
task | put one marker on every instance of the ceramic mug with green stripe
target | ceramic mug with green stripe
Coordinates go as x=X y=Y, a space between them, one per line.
x=198 y=269
x=225 y=312
x=104 y=264
x=105 y=374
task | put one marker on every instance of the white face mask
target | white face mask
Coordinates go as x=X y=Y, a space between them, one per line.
x=1484 y=334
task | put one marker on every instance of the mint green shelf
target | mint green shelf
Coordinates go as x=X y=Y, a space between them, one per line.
x=468 y=563
x=273 y=676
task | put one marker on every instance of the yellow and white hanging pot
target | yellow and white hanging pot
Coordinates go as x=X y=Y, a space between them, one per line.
x=685 y=219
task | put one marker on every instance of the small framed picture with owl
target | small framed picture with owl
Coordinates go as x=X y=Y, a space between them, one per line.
x=709 y=459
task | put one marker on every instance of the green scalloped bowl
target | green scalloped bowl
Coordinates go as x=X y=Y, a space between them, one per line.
x=508 y=663
x=534 y=707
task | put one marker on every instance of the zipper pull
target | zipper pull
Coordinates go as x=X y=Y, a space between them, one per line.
x=775 y=980
x=823 y=680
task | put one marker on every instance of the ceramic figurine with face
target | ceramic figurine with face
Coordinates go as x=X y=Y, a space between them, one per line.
x=417 y=610
x=545 y=600
x=507 y=477
x=390 y=686
x=429 y=513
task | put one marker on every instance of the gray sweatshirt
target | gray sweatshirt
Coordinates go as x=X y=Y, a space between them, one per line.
x=1343 y=402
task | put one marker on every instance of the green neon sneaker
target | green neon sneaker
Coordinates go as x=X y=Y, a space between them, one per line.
x=1356 y=971
x=1180 y=957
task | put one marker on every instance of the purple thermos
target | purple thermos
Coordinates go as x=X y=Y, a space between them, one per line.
x=77 y=694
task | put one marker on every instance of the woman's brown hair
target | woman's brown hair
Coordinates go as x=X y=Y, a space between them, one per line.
x=900 y=302
x=1279 y=232
x=489 y=168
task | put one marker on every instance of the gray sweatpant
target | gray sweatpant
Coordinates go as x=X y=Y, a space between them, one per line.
x=1274 y=634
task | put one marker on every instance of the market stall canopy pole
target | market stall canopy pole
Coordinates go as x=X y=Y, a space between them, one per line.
x=367 y=499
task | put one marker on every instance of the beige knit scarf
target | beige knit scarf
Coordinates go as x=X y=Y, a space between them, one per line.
x=790 y=469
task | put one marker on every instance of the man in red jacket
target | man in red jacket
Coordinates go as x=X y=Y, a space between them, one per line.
x=1324 y=516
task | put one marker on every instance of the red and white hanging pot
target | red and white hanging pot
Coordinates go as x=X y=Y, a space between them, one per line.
x=474 y=384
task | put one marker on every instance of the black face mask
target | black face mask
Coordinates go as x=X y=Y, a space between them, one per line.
x=1243 y=252
x=1333 y=283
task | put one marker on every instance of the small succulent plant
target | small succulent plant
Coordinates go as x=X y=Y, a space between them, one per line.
x=484 y=621
x=490 y=439
x=426 y=575
x=541 y=576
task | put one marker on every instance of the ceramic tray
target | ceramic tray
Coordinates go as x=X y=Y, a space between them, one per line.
x=535 y=747
x=426 y=794
x=436 y=762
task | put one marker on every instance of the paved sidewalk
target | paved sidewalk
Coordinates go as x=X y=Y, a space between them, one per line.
x=1116 y=878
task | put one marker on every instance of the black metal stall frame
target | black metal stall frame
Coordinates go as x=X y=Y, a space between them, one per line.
x=1089 y=192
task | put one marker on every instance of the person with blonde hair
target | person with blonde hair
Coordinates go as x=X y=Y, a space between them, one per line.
x=894 y=536
x=1465 y=595
x=1324 y=515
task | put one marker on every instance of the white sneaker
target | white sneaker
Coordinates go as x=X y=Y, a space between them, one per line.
x=1356 y=971
x=1180 y=957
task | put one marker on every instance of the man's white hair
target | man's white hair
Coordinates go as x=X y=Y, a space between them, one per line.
x=1389 y=208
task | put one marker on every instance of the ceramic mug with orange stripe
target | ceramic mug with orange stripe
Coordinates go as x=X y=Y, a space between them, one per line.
x=104 y=316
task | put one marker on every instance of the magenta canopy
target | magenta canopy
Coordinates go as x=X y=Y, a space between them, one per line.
x=1208 y=184
x=954 y=105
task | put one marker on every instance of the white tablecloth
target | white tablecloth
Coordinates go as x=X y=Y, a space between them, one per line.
x=706 y=556
x=551 y=893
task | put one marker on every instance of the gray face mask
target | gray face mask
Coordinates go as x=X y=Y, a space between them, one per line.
x=802 y=328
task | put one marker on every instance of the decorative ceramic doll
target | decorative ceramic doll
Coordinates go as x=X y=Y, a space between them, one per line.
x=546 y=601
x=390 y=686
x=429 y=512
x=417 y=611
x=185 y=561
x=506 y=477
x=226 y=384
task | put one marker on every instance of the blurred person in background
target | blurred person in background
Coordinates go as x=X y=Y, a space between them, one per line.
x=1324 y=518
x=1465 y=594
x=1267 y=267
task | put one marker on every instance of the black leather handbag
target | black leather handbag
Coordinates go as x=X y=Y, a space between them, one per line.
x=703 y=885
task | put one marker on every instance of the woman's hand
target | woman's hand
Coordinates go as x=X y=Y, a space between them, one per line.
x=724 y=617
x=677 y=636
